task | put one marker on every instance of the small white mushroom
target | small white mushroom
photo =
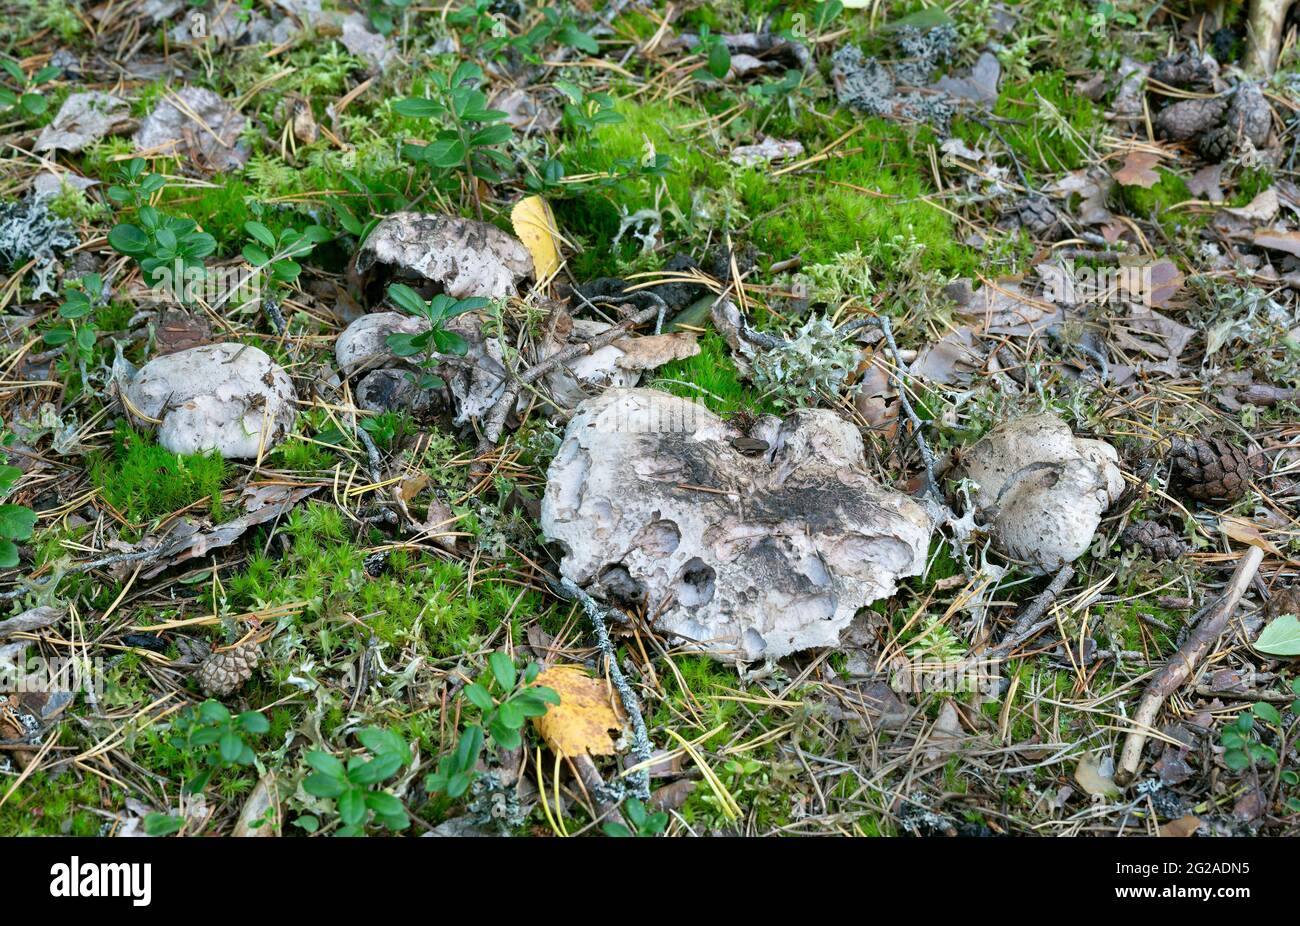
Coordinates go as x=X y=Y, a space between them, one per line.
x=231 y=398
x=1041 y=489
x=364 y=343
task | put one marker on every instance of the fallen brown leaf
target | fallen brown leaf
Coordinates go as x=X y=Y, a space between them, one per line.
x=1138 y=170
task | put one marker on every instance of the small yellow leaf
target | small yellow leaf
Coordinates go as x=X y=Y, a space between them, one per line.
x=535 y=225
x=581 y=722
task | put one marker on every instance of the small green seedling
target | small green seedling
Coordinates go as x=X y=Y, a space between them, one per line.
x=506 y=699
x=717 y=56
x=1241 y=744
x=642 y=822
x=169 y=249
x=278 y=256
x=586 y=111
x=81 y=297
x=357 y=786
x=23 y=95
x=437 y=340
x=16 y=521
x=215 y=739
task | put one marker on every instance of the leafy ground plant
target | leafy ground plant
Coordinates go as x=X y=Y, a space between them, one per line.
x=356 y=787
x=506 y=699
x=16 y=521
x=469 y=143
x=437 y=340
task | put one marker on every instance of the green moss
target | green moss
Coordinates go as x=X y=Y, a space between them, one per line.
x=1250 y=183
x=58 y=805
x=145 y=481
x=1155 y=202
x=413 y=598
x=1051 y=128
x=709 y=377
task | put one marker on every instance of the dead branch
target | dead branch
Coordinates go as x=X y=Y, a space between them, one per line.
x=1214 y=620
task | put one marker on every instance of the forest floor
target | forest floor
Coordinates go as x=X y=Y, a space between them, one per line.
x=313 y=586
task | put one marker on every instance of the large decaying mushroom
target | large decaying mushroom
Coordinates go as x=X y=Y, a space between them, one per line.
x=746 y=546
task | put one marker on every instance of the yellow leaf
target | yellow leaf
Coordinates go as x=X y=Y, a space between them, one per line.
x=535 y=225
x=581 y=722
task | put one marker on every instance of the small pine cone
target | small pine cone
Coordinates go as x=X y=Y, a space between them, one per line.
x=1035 y=214
x=1285 y=600
x=1217 y=144
x=1189 y=118
x=1249 y=115
x=1186 y=70
x=1158 y=541
x=225 y=672
x=1211 y=470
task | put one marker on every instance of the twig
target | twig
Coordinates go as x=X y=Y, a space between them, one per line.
x=494 y=421
x=640 y=739
x=1213 y=621
x=1028 y=623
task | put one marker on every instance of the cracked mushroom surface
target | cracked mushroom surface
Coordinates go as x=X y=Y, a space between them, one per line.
x=743 y=557
x=461 y=257
x=231 y=398
x=1042 y=490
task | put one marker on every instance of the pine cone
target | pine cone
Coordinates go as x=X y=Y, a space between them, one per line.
x=1189 y=118
x=1249 y=115
x=1035 y=214
x=1285 y=600
x=225 y=672
x=1211 y=470
x=1217 y=144
x=1186 y=70
x=1158 y=541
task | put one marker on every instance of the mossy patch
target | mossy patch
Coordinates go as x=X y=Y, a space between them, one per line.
x=144 y=481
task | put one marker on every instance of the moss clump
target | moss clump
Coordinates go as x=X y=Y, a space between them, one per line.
x=1051 y=128
x=410 y=598
x=58 y=805
x=710 y=377
x=1155 y=202
x=145 y=481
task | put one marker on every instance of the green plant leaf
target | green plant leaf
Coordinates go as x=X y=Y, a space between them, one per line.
x=161 y=824
x=1267 y=712
x=128 y=239
x=16 y=522
x=479 y=697
x=260 y=232
x=503 y=670
x=231 y=746
x=449 y=342
x=384 y=804
x=420 y=109
x=322 y=785
x=719 y=59
x=253 y=722
x=407 y=299
x=8 y=554
x=1281 y=637
x=352 y=806
x=326 y=764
